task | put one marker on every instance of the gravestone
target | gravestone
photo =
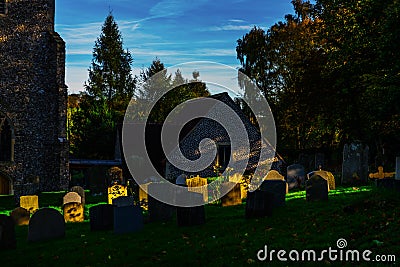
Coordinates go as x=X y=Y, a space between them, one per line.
x=233 y=197
x=45 y=224
x=72 y=197
x=355 y=163
x=295 y=176
x=199 y=185
x=7 y=233
x=181 y=180
x=116 y=191
x=397 y=176
x=160 y=211
x=316 y=188
x=124 y=201
x=30 y=203
x=238 y=178
x=191 y=216
x=328 y=176
x=80 y=191
x=97 y=177
x=20 y=216
x=278 y=189
x=259 y=204
x=127 y=219
x=143 y=197
x=101 y=217
x=274 y=175
x=74 y=212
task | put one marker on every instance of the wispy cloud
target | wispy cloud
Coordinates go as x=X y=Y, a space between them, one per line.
x=229 y=27
x=166 y=8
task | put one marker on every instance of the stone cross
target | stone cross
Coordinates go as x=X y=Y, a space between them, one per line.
x=380 y=174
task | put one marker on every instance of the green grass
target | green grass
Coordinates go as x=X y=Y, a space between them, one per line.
x=365 y=217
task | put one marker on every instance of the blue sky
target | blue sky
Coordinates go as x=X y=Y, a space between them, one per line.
x=175 y=31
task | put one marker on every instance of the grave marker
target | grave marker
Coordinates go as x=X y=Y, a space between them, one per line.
x=124 y=201
x=45 y=224
x=30 y=203
x=20 y=216
x=259 y=204
x=7 y=233
x=127 y=219
x=233 y=197
x=116 y=191
x=328 y=176
x=190 y=216
x=278 y=188
x=199 y=185
x=238 y=178
x=72 y=197
x=316 y=188
x=74 y=212
x=101 y=217
x=380 y=174
x=295 y=176
x=355 y=163
x=274 y=175
x=80 y=191
x=159 y=211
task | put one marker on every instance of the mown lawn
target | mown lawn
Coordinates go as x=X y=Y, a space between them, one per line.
x=366 y=217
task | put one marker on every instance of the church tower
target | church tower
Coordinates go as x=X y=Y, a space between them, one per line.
x=33 y=99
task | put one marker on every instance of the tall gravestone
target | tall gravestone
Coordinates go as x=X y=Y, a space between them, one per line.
x=355 y=163
x=45 y=224
x=295 y=176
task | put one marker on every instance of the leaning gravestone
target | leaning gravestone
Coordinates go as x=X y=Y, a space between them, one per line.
x=259 y=204
x=278 y=188
x=80 y=191
x=295 y=176
x=190 y=216
x=116 y=191
x=159 y=211
x=20 y=216
x=127 y=219
x=233 y=197
x=45 y=224
x=7 y=233
x=73 y=212
x=101 y=217
x=355 y=163
x=30 y=203
x=72 y=197
x=316 y=188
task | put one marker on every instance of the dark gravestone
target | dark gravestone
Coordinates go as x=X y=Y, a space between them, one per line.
x=316 y=188
x=127 y=219
x=295 y=176
x=101 y=217
x=189 y=216
x=159 y=211
x=259 y=204
x=233 y=197
x=124 y=201
x=7 y=233
x=97 y=179
x=80 y=191
x=278 y=189
x=355 y=163
x=20 y=216
x=45 y=224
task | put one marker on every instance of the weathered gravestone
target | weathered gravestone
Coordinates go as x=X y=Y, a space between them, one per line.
x=30 y=203
x=7 y=233
x=199 y=185
x=316 y=188
x=355 y=163
x=20 y=216
x=233 y=197
x=160 y=211
x=127 y=219
x=238 y=178
x=101 y=217
x=73 y=212
x=80 y=191
x=397 y=176
x=116 y=191
x=143 y=197
x=295 y=176
x=190 y=216
x=72 y=197
x=274 y=175
x=124 y=201
x=278 y=188
x=328 y=176
x=258 y=204
x=45 y=224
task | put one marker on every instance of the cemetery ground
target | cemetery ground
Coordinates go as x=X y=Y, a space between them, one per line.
x=367 y=217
